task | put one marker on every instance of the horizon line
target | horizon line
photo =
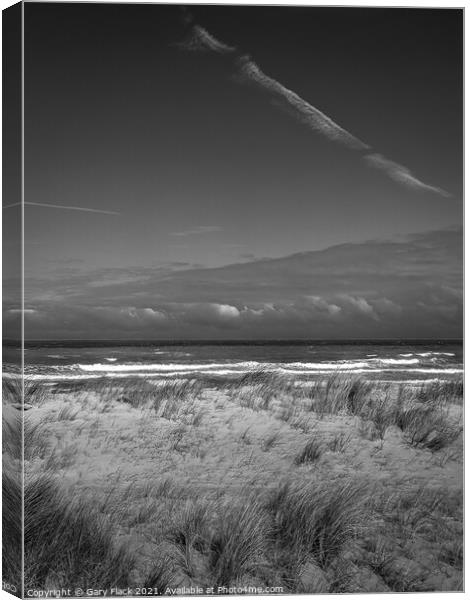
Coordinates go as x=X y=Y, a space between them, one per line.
x=236 y=340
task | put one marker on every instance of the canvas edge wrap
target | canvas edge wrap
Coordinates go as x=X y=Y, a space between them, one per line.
x=12 y=253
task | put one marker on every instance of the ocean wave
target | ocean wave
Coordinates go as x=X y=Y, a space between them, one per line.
x=424 y=370
x=136 y=367
x=228 y=370
x=354 y=364
x=371 y=364
x=399 y=361
x=331 y=366
x=361 y=370
x=240 y=366
x=425 y=354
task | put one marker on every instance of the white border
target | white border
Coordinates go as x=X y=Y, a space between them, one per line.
x=343 y=3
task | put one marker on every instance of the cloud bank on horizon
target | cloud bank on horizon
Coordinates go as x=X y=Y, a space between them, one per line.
x=408 y=288
x=246 y=70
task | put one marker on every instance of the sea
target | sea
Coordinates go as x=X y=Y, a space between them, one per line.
x=396 y=360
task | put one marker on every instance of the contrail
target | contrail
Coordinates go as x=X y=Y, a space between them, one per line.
x=302 y=110
x=81 y=208
x=245 y=70
x=200 y=40
x=401 y=174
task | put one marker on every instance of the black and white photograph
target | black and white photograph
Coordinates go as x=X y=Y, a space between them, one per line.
x=232 y=299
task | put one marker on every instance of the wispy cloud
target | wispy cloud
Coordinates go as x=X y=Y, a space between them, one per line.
x=401 y=174
x=200 y=40
x=200 y=230
x=245 y=70
x=299 y=108
x=64 y=207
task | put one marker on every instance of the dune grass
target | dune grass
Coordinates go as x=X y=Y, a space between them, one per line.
x=322 y=519
x=237 y=542
x=19 y=390
x=427 y=426
x=11 y=526
x=67 y=543
x=310 y=453
x=229 y=540
x=311 y=523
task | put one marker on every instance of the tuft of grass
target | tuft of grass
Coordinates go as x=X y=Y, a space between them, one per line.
x=339 y=393
x=451 y=553
x=259 y=389
x=177 y=437
x=339 y=442
x=301 y=422
x=67 y=543
x=310 y=453
x=383 y=562
x=36 y=442
x=12 y=435
x=187 y=533
x=133 y=399
x=11 y=526
x=67 y=413
x=21 y=390
x=237 y=543
x=439 y=393
x=320 y=518
x=166 y=399
x=425 y=512
x=196 y=419
x=231 y=540
x=161 y=575
x=425 y=426
x=172 y=397
x=273 y=381
x=381 y=412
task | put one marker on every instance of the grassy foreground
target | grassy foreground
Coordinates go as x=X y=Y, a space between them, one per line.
x=339 y=485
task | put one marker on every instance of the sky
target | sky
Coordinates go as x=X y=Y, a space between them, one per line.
x=236 y=172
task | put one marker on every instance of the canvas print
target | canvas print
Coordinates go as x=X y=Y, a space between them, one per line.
x=232 y=300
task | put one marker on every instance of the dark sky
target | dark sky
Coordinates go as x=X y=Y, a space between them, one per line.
x=206 y=169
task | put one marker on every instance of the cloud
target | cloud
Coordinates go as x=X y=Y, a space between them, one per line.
x=387 y=307
x=336 y=316
x=64 y=207
x=141 y=314
x=303 y=111
x=244 y=70
x=227 y=311
x=323 y=305
x=200 y=230
x=406 y=287
x=200 y=40
x=401 y=174
x=362 y=306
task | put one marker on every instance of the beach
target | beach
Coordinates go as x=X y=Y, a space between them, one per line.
x=293 y=475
